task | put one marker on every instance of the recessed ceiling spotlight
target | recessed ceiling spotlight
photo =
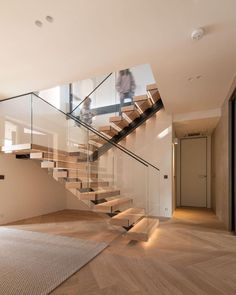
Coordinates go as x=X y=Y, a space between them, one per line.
x=38 y=23
x=198 y=77
x=190 y=79
x=197 y=34
x=49 y=18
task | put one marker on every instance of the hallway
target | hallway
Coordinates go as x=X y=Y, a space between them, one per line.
x=189 y=254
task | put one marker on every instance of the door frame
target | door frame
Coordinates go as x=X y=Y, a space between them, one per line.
x=208 y=170
x=232 y=162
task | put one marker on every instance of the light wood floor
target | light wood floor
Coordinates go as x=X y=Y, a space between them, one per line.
x=190 y=254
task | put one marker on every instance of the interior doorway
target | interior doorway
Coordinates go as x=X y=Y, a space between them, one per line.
x=193 y=172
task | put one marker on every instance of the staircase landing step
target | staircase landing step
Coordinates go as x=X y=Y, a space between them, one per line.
x=143 y=229
x=128 y=217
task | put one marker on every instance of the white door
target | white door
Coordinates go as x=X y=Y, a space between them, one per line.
x=193 y=172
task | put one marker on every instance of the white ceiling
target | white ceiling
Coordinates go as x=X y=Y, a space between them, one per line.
x=93 y=37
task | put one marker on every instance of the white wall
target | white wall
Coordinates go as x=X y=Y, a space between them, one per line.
x=153 y=142
x=27 y=190
x=220 y=167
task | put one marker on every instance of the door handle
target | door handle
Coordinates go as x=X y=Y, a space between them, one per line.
x=202 y=176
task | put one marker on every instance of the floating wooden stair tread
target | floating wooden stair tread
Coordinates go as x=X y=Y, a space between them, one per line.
x=97 y=139
x=73 y=184
x=57 y=158
x=130 y=108
x=94 y=184
x=140 y=98
x=152 y=87
x=80 y=166
x=143 y=229
x=98 y=195
x=128 y=217
x=108 y=130
x=131 y=112
x=113 y=205
x=17 y=147
x=142 y=102
x=60 y=174
x=48 y=164
x=48 y=149
x=119 y=121
x=153 y=93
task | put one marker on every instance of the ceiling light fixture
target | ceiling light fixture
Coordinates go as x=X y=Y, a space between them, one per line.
x=38 y=23
x=197 y=34
x=49 y=18
x=190 y=79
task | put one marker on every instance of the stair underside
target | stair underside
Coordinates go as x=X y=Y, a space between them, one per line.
x=143 y=229
x=128 y=217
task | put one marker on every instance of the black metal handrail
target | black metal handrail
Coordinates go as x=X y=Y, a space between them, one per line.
x=68 y=115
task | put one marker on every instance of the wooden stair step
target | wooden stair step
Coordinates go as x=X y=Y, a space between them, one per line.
x=87 y=147
x=143 y=229
x=75 y=173
x=48 y=164
x=41 y=148
x=98 y=195
x=142 y=102
x=97 y=139
x=54 y=157
x=119 y=121
x=128 y=217
x=80 y=166
x=131 y=112
x=140 y=98
x=96 y=143
x=80 y=173
x=60 y=173
x=113 y=205
x=153 y=93
x=107 y=128
x=94 y=184
x=73 y=184
x=21 y=148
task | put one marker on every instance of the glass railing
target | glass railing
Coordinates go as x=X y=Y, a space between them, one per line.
x=116 y=91
x=95 y=101
x=75 y=151
x=16 y=122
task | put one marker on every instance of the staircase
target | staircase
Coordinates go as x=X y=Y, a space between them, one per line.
x=80 y=170
x=132 y=116
x=82 y=179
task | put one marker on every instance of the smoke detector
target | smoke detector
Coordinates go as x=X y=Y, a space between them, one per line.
x=197 y=34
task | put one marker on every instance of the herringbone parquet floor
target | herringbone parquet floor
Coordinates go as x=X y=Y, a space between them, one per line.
x=189 y=254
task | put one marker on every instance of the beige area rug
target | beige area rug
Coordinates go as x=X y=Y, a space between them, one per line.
x=36 y=263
